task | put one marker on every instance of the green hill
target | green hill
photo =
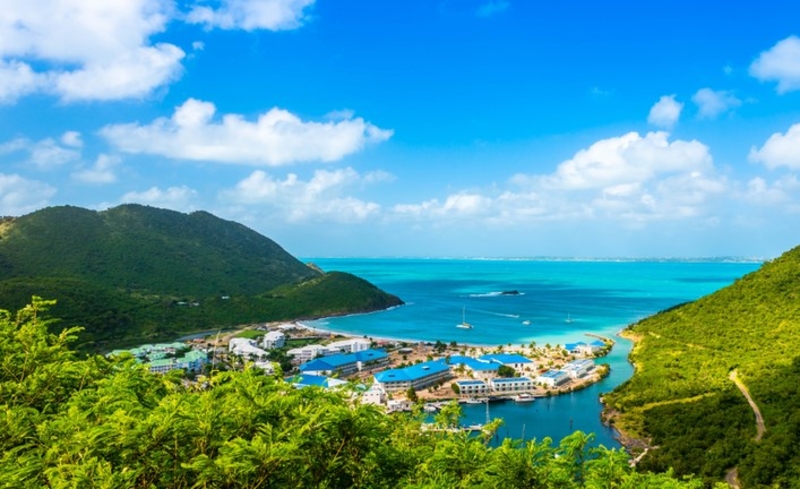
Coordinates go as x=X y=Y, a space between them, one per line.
x=136 y=273
x=682 y=400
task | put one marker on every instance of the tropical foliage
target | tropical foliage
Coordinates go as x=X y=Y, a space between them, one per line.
x=136 y=274
x=682 y=400
x=69 y=422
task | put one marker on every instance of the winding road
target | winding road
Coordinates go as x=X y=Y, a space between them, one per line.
x=732 y=477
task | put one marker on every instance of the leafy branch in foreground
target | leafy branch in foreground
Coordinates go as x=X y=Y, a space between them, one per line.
x=95 y=422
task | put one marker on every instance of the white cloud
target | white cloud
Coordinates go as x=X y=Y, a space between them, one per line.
x=47 y=153
x=102 y=172
x=277 y=137
x=20 y=196
x=712 y=103
x=491 y=8
x=780 y=63
x=85 y=50
x=629 y=159
x=72 y=139
x=320 y=198
x=250 y=15
x=175 y=198
x=779 y=192
x=779 y=150
x=666 y=112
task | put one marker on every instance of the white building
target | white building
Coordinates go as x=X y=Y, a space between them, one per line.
x=578 y=368
x=246 y=348
x=350 y=346
x=374 y=395
x=553 y=378
x=472 y=387
x=511 y=384
x=308 y=352
x=273 y=339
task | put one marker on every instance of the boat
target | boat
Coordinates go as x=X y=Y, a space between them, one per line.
x=464 y=324
x=477 y=400
x=527 y=322
x=430 y=408
x=524 y=397
x=569 y=319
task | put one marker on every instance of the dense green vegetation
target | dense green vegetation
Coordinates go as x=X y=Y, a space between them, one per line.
x=92 y=422
x=681 y=398
x=139 y=274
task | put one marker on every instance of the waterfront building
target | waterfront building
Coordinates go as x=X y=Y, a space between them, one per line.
x=553 y=378
x=371 y=359
x=583 y=348
x=579 y=368
x=417 y=376
x=273 y=339
x=513 y=360
x=349 y=346
x=472 y=387
x=502 y=385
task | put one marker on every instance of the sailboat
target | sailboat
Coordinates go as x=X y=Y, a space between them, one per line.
x=464 y=324
x=569 y=319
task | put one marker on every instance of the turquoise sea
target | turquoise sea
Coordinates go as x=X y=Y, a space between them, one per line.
x=562 y=299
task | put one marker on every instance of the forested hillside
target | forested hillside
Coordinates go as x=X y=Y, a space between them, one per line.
x=98 y=423
x=682 y=400
x=136 y=273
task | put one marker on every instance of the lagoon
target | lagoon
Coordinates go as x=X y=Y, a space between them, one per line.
x=558 y=302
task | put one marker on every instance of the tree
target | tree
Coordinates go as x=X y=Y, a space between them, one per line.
x=506 y=371
x=455 y=387
x=411 y=394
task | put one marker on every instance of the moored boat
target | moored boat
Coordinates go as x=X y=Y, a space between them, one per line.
x=524 y=397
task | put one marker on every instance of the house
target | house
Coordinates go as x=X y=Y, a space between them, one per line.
x=513 y=360
x=511 y=384
x=246 y=348
x=553 y=378
x=374 y=395
x=417 y=376
x=472 y=387
x=341 y=364
x=578 y=368
x=273 y=339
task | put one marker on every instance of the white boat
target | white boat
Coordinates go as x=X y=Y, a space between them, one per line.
x=464 y=324
x=430 y=408
x=527 y=322
x=524 y=397
x=569 y=319
x=477 y=400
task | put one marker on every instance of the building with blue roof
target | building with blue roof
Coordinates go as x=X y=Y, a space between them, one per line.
x=346 y=363
x=472 y=387
x=370 y=359
x=417 y=376
x=513 y=360
x=480 y=368
x=579 y=368
x=583 y=348
x=553 y=378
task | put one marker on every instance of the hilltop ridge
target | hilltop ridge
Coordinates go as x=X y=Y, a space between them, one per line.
x=135 y=272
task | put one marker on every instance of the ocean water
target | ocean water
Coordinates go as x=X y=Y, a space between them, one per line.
x=562 y=299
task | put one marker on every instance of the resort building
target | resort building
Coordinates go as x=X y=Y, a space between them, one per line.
x=308 y=352
x=417 y=376
x=472 y=387
x=578 y=368
x=371 y=359
x=511 y=384
x=273 y=339
x=480 y=369
x=349 y=346
x=513 y=360
x=193 y=361
x=246 y=348
x=553 y=378
x=340 y=364
x=587 y=349
x=374 y=395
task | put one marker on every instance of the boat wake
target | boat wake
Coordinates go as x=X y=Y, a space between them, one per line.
x=497 y=294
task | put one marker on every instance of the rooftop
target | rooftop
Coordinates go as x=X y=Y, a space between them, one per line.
x=510 y=380
x=505 y=358
x=412 y=373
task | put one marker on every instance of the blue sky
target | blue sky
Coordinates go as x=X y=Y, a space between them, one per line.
x=416 y=128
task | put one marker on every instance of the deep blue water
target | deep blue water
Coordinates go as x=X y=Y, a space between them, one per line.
x=563 y=300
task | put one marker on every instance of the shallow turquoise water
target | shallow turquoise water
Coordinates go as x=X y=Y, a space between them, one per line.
x=563 y=300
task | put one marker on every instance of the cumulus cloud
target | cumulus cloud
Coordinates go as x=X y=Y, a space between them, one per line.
x=102 y=172
x=175 y=198
x=780 y=63
x=779 y=192
x=779 y=150
x=711 y=103
x=250 y=15
x=628 y=159
x=666 y=112
x=47 y=153
x=19 y=195
x=83 y=50
x=276 y=137
x=322 y=197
